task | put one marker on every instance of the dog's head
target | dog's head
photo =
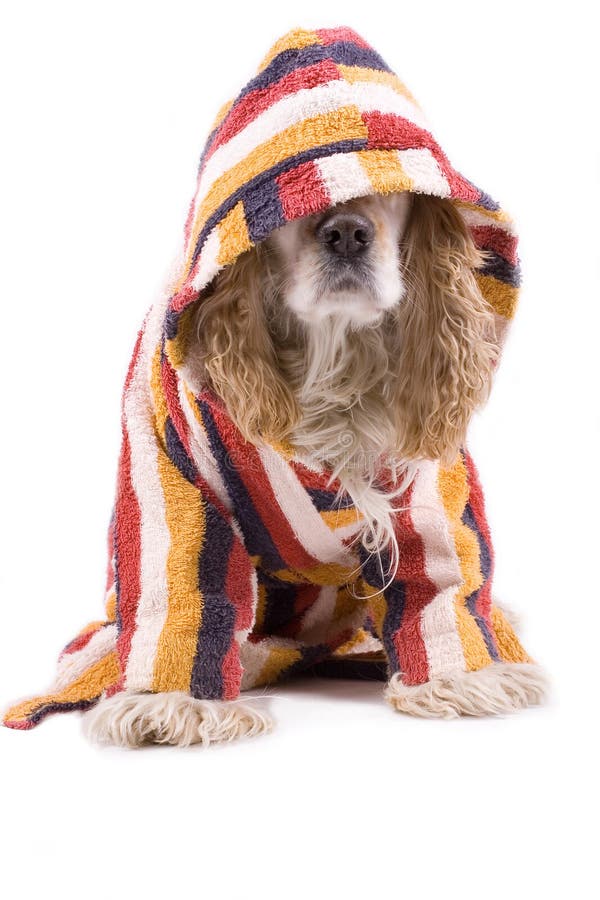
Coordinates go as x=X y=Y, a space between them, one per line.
x=345 y=262
x=388 y=278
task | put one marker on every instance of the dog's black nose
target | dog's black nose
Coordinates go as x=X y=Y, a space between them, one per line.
x=346 y=234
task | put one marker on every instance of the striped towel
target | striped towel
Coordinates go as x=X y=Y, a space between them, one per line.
x=231 y=565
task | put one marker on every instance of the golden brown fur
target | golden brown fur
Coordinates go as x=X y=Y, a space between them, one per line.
x=397 y=389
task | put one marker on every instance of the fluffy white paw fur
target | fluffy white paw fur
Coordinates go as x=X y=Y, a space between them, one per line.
x=132 y=719
x=499 y=688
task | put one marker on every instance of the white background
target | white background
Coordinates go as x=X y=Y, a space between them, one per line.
x=105 y=108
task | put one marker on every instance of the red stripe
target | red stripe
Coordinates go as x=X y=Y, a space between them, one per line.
x=248 y=465
x=232 y=672
x=253 y=104
x=134 y=357
x=238 y=587
x=306 y=595
x=20 y=725
x=302 y=192
x=80 y=641
x=487 y=237
x=310 y=479
x=128 y=539
x=391 y=132
x=110 y=550
x=419 y=591
x=171 y=394
x=184 y=297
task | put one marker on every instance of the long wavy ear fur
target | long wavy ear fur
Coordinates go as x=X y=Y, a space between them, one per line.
x=448 y=342
x=237 y=351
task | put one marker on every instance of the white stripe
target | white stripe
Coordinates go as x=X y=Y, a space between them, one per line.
x=442 y=566
x=242 y=633
x=207 y=261
x=202 y=454
x=304 y=104
x=423 y=170
x=304 y=518
x=481 y=217
x=254 y=656
x=72 y=665
x=344 y=176
x=316 y=622
x=155 y=537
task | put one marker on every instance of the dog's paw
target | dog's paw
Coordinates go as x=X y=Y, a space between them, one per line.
x=497 y=689
x=134 y=719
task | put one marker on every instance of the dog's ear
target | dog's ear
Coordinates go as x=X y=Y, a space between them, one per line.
x=448 y=341
x=236 y=351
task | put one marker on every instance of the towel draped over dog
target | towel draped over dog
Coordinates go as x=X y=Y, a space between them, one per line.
x=231 y=564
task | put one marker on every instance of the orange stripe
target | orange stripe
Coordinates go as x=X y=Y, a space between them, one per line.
x=89 y=685
x=508 y=644
x=280 y=659
x=184 y=514
x=501 y=297
x=454 y=491
x=344 y=123
x=296 y=39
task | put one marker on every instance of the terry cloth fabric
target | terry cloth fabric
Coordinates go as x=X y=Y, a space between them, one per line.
x=229 y=564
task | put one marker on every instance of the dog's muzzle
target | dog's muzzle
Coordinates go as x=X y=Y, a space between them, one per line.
x=345 y=235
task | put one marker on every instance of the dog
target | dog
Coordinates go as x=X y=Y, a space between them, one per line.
x=294 y=486
x=361 y=336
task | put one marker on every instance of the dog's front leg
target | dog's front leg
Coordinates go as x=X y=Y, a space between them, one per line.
x=450 y=652
x=185 y=593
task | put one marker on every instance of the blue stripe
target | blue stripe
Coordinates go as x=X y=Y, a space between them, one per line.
x=177 y=452
x=395 y=597
x=485 y=563
x=325 y=501
x=501 y=269
x=263 y=210
x=256 y=183
x=256 y=536
x=280 y=602
x=340 y=52
x=218 y=613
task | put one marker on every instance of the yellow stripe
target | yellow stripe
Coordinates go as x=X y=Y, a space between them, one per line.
x=176 y=348
x=284 y=448
x=341 y=124
x=352 y=74
x=346 y=605
x=89 y=685
x=160 y=403
x=326 y=573
x=454 y=491
x=339 y=518
x=224 y=109
x=233 y=235
x=507 y=642
x=357 y=638
x=280 y=659
x=111 y=606
x=384 y=170
x=296 y=39
x=501 y=297
x=184 y=515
